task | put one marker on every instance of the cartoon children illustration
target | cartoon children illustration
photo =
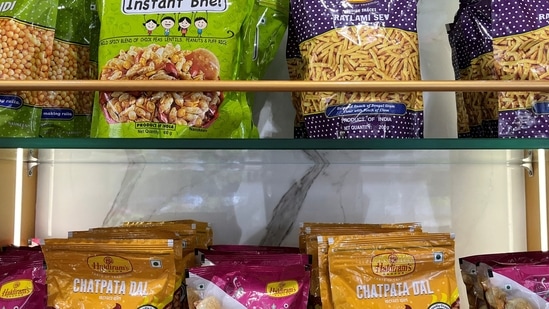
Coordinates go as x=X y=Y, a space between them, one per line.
x=167 y=23
x=184 y=25
x=150 y=25
x=200 y=23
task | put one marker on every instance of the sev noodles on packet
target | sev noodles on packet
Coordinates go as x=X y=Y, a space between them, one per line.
x=358 y=40
x=413 y=271
x=521 y=39
x=110 y=273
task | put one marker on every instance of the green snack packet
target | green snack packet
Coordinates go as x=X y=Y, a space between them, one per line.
x=171 y=40
x=265 y=29
x=27 y=32
x=68 y=113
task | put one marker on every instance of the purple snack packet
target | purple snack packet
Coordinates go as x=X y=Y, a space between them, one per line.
x=359 y=40
x=474 y=53
x=520 y=30
x=23 y=285
x=248 y=286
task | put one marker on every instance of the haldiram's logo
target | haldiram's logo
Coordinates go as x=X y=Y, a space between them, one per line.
x=108 y=264
x=16 y=289
x=282 y=288
x=393 y=264
x=172 y=6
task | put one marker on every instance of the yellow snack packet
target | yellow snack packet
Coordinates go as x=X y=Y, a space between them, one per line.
x=393 y=271
x=110 y=273
x=309 y=245
x=204 y=231
x=316 y=228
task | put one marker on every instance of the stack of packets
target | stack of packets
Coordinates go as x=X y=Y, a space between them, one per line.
x=507 y=280
x=245 y=276
x=22 y=278
x=379 y=266
x=136 y=265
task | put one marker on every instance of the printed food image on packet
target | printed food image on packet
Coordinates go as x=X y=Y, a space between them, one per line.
x=521 y=38
x=27 y=29
x=171 y=41
x=357 y=40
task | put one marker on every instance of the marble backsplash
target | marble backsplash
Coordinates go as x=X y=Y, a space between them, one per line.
x=261 y=196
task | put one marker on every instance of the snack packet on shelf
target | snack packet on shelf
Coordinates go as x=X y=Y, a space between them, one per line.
x=359 y=41
x=68 y=113
x=27 y=28
x=310 y=236
x=415 y=271
x=23 y=284
x=472 y=42
x=520 y=31
x=463 y=129
x=110 y=273
x=248 y=286
x=485 y=263
x=140 y=42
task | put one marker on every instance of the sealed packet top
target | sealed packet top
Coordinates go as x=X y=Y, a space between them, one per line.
x=268 y=259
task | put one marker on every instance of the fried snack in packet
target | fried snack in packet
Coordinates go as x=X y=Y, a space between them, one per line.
x=110 y=273
x=68 y=113
x=248 y=286
x=503 y=292
x=454 y=37
x=472 y=44
x=520 y=30
x=27 y=29
x=268 y=259
x=485 y=263
x=414 y=271
x=359 y=41
x=468 y=272
x=172 y=41
x=23 y=285
x=295 y=72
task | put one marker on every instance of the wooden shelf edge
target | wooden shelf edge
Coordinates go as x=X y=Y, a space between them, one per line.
x=275 y=85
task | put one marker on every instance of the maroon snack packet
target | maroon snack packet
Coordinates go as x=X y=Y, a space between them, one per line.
x=248 y=286
x=23 y=285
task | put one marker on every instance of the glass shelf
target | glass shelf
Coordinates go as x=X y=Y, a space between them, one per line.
x=269 y=144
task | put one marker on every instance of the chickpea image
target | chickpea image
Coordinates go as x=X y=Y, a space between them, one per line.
x=25 y=53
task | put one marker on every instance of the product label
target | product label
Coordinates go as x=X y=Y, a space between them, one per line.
x=16 y=289
x=110 y=264
x=172 y=6
x=282 y=288
x=393 y=264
